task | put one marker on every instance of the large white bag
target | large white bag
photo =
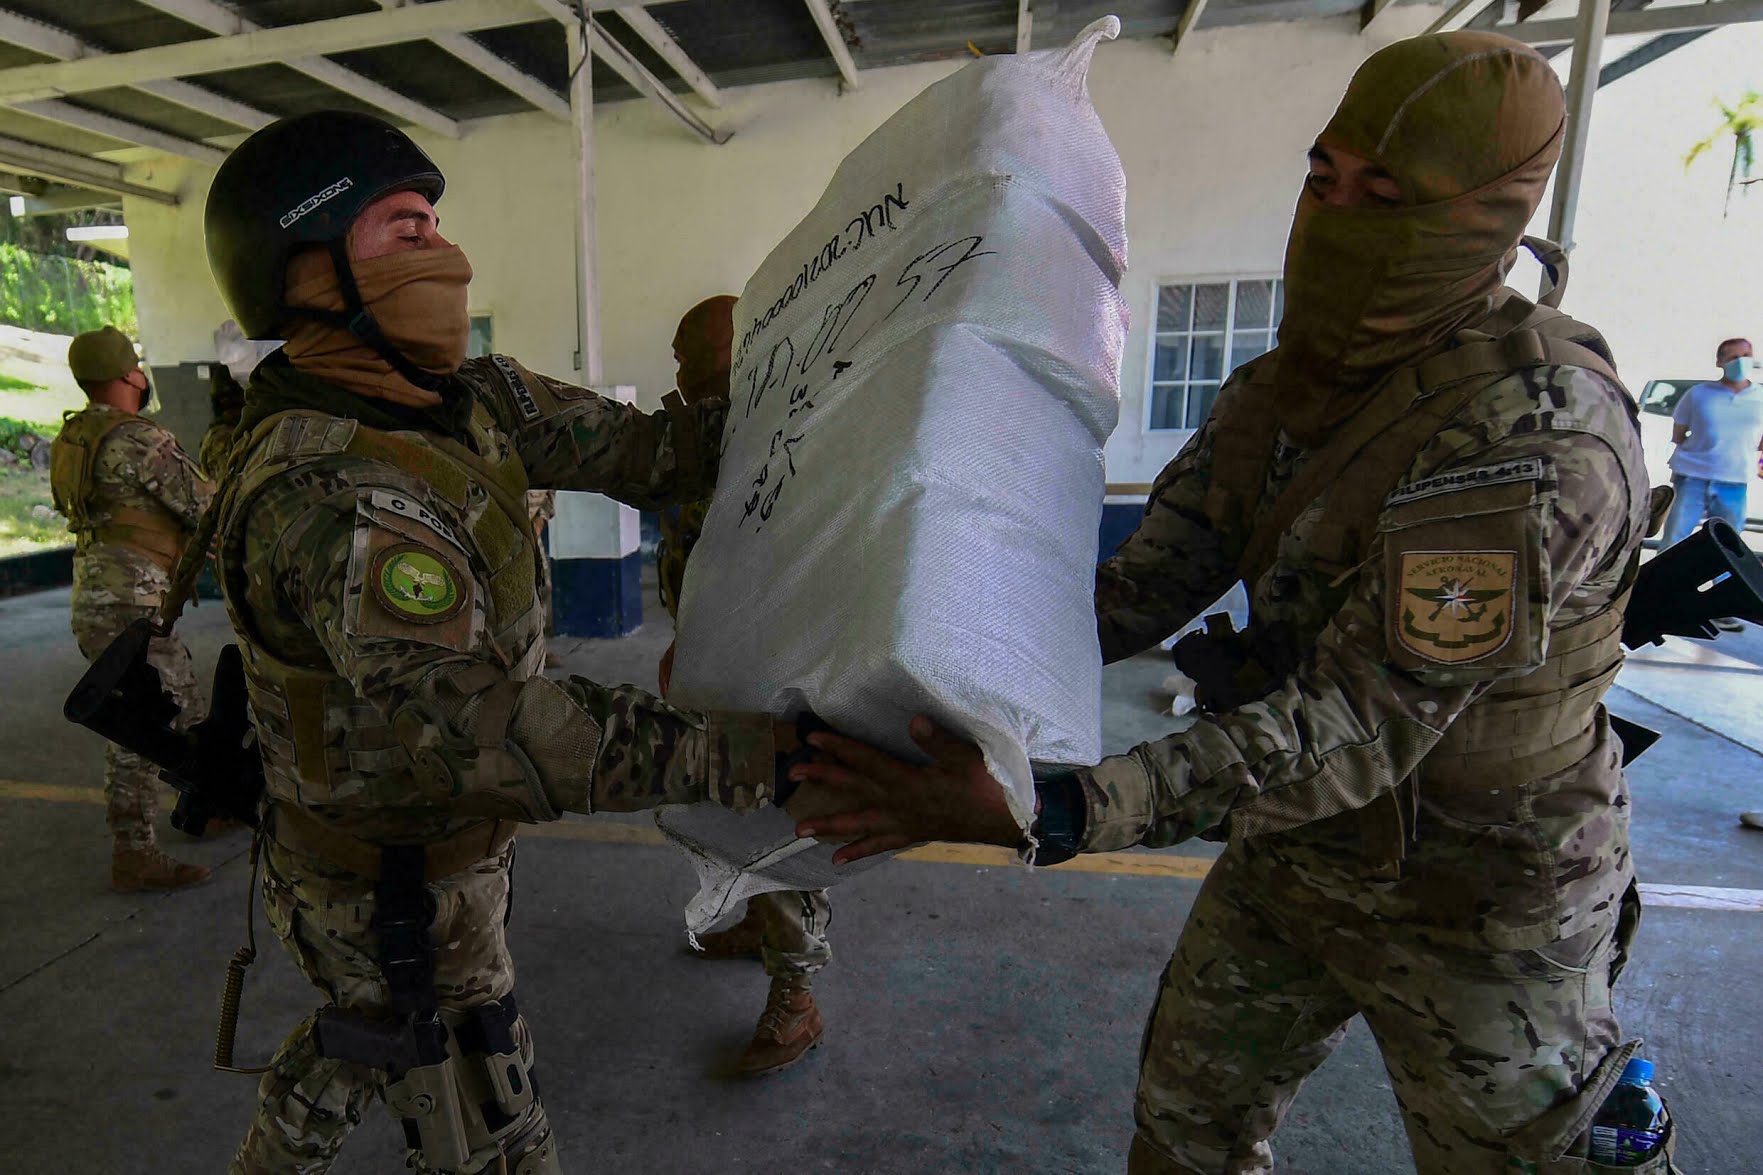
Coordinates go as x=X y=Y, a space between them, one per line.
x=905 y=522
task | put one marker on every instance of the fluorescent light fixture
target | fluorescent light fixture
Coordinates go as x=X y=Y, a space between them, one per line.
x=16 y=204
x=99 y=232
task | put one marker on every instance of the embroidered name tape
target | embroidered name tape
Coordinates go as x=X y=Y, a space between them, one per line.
x=415 y=511
x=1523 y=469
x=529 y=407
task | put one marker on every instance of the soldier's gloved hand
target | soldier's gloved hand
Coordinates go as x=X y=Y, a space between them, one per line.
x=878 y=803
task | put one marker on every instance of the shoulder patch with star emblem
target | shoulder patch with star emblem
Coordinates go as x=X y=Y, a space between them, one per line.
x=1456 y=605
x=1461 y=568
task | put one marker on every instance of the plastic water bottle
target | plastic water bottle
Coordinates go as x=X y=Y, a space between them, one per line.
x=1632 y=1124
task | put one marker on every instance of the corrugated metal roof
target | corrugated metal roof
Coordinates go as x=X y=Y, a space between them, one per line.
x=736 y=44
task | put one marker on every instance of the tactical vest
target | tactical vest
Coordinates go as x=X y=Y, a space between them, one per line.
x=156 y=534
x=1523 y=727
x=323 y=744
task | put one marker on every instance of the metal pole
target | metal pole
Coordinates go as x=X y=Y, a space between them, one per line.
x=1582 y=85
x=587 y=253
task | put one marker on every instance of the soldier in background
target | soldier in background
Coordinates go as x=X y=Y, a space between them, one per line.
x=226 y=402
x=1435 y=492
x=785 y=930
x=378 y=564
x=132 y=498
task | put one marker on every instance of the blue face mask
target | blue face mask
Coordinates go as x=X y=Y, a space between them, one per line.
x=1735 y=369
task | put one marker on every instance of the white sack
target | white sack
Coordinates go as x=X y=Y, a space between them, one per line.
x=906 y=518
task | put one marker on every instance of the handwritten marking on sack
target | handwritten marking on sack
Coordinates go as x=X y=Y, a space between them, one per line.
x=919 y=280
x=866 y=224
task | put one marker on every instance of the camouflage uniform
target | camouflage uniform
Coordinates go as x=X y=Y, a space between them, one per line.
x=392 y=635
x=541 y=508
x=1472 y=902
x=792 y=923
x=141 y=498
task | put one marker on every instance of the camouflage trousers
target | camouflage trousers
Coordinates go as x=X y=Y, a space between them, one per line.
x=130 y=782
x=793 y=930
x=1483 y=1049
x=307 y=1104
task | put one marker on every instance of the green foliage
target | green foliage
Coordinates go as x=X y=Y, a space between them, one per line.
x=1743 y=121
x=11 y=430
x=27 y=521
x=11 y=383
x=40 y=291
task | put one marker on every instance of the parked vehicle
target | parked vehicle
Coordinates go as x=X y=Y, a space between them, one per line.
x=1658 y=400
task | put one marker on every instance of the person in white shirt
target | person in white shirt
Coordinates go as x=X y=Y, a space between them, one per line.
x=1717 y=430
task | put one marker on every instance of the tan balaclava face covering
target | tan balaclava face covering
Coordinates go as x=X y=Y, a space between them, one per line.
x=417 y=297
x=703 y=343
x=1469 y=124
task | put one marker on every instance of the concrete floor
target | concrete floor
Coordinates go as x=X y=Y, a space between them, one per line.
x=981 y=1019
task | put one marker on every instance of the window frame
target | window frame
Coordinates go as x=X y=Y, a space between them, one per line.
x=1158 y=285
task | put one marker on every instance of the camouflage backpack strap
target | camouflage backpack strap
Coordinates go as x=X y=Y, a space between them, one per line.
x=1244 y=429
x=1371 y=440
x=504 y=535
x=72 y=457
x=1382 y=440
x=245 y=474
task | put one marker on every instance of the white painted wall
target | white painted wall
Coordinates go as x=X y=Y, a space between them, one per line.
x=1213 y=144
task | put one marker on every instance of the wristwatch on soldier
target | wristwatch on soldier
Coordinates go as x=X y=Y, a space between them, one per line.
x=1059 y=818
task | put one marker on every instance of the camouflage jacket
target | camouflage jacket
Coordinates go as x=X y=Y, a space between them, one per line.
x=138 y=467
x=216 y=446
x=1537 y=485
x=680 y=528
x=407 y=605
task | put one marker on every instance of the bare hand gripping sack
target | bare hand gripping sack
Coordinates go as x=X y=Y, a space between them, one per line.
x=925 y=372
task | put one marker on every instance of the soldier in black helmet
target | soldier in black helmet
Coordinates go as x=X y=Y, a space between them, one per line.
x=379 y=568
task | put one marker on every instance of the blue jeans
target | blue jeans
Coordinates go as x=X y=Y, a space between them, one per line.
x=1699 y=498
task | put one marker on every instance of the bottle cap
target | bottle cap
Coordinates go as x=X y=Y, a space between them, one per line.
x=1637 y=1072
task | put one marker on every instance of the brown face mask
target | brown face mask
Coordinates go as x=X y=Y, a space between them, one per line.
x=702 y=345
x=1470 y=125
x=418 y=297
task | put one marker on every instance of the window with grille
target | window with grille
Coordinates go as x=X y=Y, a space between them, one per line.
x=1205 y=330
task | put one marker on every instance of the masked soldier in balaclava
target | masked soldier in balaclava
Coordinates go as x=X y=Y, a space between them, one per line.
x=1435 y=492
x=379 y=568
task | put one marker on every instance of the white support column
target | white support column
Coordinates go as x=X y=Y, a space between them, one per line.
x=648 y=28
x=596 y=561
x=1025 y=25
x=1582 y=86
x=587 y=252
x=835 y=41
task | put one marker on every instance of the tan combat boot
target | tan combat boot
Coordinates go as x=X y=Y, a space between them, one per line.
x=740 y=941
x=133 y=870
x=789 y=1027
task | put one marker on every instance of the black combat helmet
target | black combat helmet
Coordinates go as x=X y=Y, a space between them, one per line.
x=303 y=181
